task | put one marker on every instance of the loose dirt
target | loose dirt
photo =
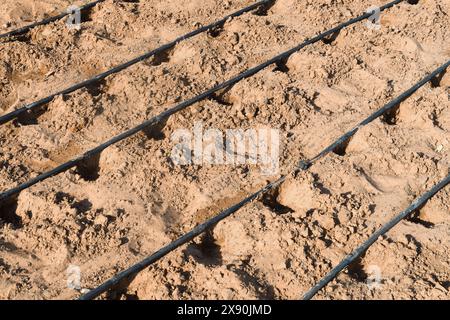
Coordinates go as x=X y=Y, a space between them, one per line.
x=134 y=199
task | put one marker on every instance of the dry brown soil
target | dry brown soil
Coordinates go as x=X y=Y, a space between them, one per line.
x=137 y=200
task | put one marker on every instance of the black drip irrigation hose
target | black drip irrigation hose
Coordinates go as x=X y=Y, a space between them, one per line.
x=183 y=105
x=16 y=113
x=302 y=166
x=417 y=204
x=389 y=106
x=175 y=244
x=27 y=28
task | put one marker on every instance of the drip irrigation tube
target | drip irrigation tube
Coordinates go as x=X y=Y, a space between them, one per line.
x=419 y=202
x=183 y=105
x=27 y=28
x=177 y=243
x=36 y=104
x=303 y=166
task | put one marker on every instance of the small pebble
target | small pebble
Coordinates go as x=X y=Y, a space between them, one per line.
x=101 y=220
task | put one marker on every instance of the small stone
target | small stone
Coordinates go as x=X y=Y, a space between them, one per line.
x=101 y=220
x=304 y=231
x=326 y=221
x=340 y=236
x=344 y=215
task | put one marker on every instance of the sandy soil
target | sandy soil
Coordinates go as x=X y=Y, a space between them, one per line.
x=136 y=200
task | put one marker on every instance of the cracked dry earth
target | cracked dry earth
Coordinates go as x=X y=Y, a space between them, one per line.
x=133 y=199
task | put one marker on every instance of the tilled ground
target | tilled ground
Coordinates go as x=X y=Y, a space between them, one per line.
x=135 y=199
